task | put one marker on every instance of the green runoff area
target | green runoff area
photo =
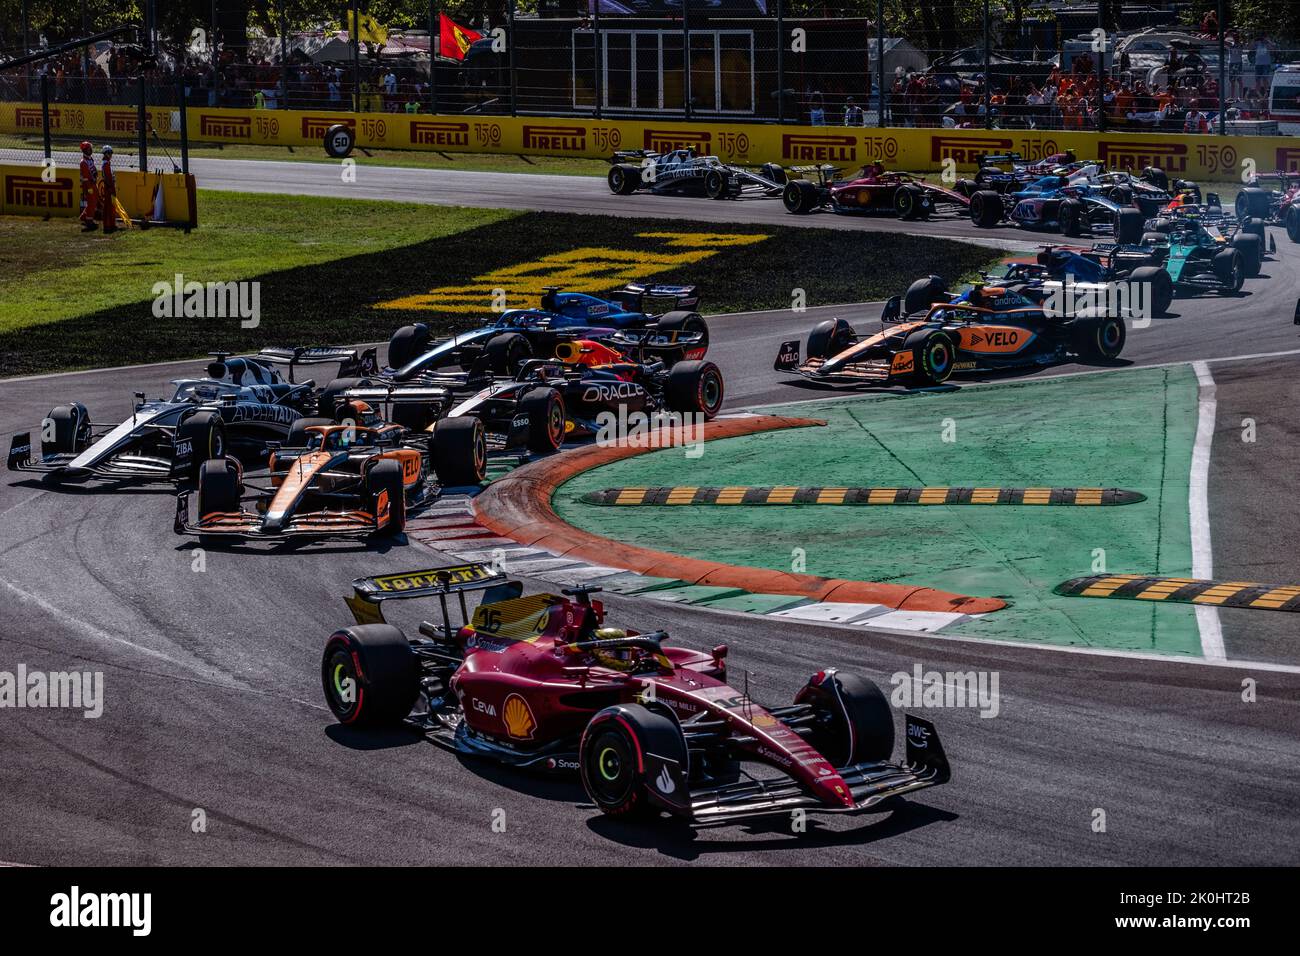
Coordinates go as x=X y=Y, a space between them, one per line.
x=1129 y=429
x=73 y=300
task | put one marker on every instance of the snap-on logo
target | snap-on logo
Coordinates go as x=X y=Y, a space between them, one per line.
x=965 y=149
x=227 y=127
x=121 y=121
x=313 y=127
x=1136 y=156
x=819 y=148
x=425 y=133
x=569 y=138
x=34 y=192
x=666 y=140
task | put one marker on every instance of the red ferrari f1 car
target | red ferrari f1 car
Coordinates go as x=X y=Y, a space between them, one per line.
x=541 y=682
x=871 y=190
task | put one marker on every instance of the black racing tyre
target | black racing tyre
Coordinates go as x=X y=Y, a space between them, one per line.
x=1128 y=226
x=70 y=431
x=716 y=184
x=1293 y=223
x=1156 y=177
x=1071 y=217
x=544 y=407
x=459 y=451
x=339 y=141
x=382 y=670
x=1255 y=227
x=924 y=293
x=774 y=172
x=828 y=338
x=1230 y=270
x=507 y=351
x=385 y=478
x=682 y=321
x=1252 y=253
x=908 y=201
x=327 y=405
x=612 y=763
x=1162 y=224
x=800 y=197
x=206 y=433
x=407 y=344
x=1153 y=238
x=1121 y=196
x=986 y=208
x=1100 y=340
x=220 y=487
x=1156 y=288
x=965 y=187
x=933 y=355
x=852 y=720
x=695 y=387
x=1253 y=203
x=298 y=433
x=624 y=179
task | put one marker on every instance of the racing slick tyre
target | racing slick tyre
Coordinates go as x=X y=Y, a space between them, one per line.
x=1162 y=225
x=682 y=321
x=459 y=451
x=298 y=434
x=924 y=293
x=717 y=184
x=339 y=140
x=612 y=764
x=1252 y=203
x=1128 y=226
x=1101 y=340
x=1293 y=223
x=829 y=338
x=774 y=172
x=370 y=675
x=507 y=351
x=695 y=387
x=933 y=354
x=986 y=208
x=624 y=179
x=71 y=432
x=407 y=344
x=327 y=405
x=220 y=486
x=1251 y=250
x=965 y=187
x=1230 y=270
x=206 y=433
x=1121 y=196
x=1071 y=217
x=1156 y=177
x=1156 y=288
x=546 y=419
x=800 y=197
x=852 y=720
x=909 y=203
x=1255 y=227
x=1152 y=238
x=384 y=479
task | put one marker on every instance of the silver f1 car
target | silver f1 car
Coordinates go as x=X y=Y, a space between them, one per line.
x=681 y=172
x=240 y=406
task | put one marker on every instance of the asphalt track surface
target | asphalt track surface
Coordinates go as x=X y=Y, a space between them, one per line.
x=213 y=699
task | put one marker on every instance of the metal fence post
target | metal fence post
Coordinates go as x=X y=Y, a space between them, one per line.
x=435 y=38
x=780 y=61
x=1223 y=123
x=510 y=57
x=141 y=124
x=185 y=127
x=1101 y=73
x=354 y=28
x=988 y=80
x=599 y=53
x=284 y=63
x=45 y=112
x=686 y=58
x=880 y=62
x=212 y=45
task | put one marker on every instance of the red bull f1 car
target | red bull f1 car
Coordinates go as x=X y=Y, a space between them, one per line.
x=542 y=682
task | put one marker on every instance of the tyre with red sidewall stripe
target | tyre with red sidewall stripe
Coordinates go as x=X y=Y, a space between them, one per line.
x=695 y=387
x=370 y=675
x=612 y=758
x=852 y=720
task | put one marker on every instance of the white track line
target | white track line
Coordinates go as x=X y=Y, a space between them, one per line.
x=1198 y=506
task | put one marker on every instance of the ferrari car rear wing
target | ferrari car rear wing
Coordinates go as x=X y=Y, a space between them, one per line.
x=369 y=593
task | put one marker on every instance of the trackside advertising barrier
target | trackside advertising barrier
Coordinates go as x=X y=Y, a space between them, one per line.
x=1191 y=157
x=27 y=190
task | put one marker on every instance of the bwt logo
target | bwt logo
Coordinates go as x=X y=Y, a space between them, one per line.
x=120 y=121
x=819 y=148
x=314 y=127
x=31 y=119
x=1134 y=157
x=32 y=191
x=573 y=138
x=965 y=149
x=1288 y=159
x=232 y=127
x=666 y=140
x=424 y=133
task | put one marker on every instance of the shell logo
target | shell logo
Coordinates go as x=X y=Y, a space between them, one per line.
x=518 y=718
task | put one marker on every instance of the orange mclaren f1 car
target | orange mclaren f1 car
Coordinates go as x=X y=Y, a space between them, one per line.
x=356 y=478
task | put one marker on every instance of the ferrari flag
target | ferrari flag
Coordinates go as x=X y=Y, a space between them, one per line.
x=369 y=30
x=454 y=39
